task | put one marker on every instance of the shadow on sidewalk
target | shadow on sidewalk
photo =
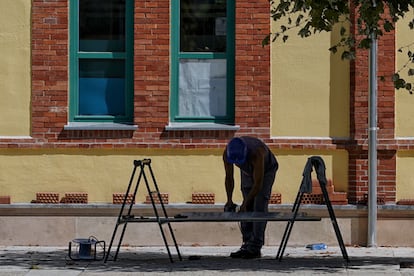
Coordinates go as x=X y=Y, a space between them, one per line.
x=159 y=262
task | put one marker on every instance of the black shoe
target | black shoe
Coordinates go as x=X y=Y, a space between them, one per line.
x=238 y=254
x=251 y=255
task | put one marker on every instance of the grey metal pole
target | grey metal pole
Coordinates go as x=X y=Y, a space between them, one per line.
x=372 y=143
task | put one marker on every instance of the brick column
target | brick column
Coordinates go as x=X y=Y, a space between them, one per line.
x=151 y=66
x=252 y=74
x=358 y=150
x=49 y=68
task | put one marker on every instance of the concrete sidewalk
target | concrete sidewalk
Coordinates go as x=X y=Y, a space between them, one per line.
x=210 y=261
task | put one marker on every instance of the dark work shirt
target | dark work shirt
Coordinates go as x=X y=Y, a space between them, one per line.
x=253 y=144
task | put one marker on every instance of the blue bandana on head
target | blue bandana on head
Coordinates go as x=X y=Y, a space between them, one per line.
x=236 y=151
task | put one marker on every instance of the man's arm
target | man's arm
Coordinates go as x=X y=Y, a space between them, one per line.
x=229 y=180
x=257 y=161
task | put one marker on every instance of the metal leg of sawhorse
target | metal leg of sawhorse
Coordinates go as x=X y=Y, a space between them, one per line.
x=124 y=219
x=289 y=227
x=334 y=223
x=317 y=162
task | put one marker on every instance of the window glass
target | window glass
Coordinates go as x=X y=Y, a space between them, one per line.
x=203 y=25
x=101 y=87
x=102 y=25
x=101 y=60
x=202 y=87
x=202 y=56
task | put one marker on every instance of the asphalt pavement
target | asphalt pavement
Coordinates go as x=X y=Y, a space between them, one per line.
x=203 y=260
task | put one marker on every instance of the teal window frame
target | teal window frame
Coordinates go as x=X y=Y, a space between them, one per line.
x=177 y=55
x=76 y=55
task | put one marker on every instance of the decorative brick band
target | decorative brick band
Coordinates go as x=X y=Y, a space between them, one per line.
x=312 y=199
x=47 y=198
x=164 y=198
x=118 y=198
x=275 y=198
x=203 y=198
x=75 y=198
x=316 y=197
x=5 y=200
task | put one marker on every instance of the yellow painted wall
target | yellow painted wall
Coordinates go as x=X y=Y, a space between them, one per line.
x=309 y=98
x=404 y=101
x=101 y=173
x=292 y=163
x=405 y=176
x=15 y=67
x=404 y=115
x=310 y=88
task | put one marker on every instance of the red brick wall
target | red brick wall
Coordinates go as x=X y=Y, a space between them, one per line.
x=49 y=69
x=151 y=80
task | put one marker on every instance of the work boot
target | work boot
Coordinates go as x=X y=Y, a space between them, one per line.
x=238 y=254
x=247 y=254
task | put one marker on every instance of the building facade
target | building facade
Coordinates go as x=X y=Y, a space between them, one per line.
x=93 y=85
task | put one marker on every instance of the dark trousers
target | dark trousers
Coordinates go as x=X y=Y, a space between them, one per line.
x=253 y=232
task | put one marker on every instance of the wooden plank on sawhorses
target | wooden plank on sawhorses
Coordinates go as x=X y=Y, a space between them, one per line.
x=238 y=216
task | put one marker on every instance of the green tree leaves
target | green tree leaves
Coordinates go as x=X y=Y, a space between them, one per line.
x=312 y=16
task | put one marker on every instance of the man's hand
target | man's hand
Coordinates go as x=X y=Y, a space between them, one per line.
x=242 y=208
x=230 y=207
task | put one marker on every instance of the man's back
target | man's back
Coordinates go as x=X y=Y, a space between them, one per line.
x=254 y=146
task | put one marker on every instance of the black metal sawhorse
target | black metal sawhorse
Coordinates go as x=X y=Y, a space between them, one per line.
x=306 y=187
x=125 y=215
